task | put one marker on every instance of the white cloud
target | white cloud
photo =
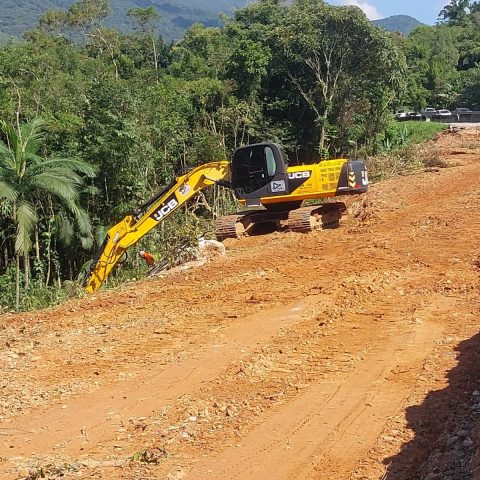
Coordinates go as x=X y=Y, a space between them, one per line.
x=370 y=10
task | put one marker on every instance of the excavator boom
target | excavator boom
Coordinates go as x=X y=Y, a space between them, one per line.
x=132 y=228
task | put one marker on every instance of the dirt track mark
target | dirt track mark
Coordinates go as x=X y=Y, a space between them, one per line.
x=101 y=413
x=332 y=417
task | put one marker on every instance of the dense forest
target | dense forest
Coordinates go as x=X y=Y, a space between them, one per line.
x=94 y=121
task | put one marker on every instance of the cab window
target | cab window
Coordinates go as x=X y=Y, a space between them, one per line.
x=253 y=168
x=271 y=164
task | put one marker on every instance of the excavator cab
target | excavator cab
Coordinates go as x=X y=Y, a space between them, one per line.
x=259 y=171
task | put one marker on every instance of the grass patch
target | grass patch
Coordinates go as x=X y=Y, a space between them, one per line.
x=421 y=132
x=399 y=135
x=401 y=152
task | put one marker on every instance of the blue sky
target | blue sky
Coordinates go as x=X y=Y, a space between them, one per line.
x=424 y=10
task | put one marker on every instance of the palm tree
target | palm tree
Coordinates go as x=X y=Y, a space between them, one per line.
x=30 y=182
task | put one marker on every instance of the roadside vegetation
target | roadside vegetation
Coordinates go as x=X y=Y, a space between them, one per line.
x=107 y=118
x=401 y=151
x=413 y=133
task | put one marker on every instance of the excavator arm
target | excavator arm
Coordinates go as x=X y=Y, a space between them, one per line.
x=133 y=227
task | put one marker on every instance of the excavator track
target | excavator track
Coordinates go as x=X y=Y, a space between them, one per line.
x=231 y=226
x=244 y=223
x=303 y=220
x=313 y=217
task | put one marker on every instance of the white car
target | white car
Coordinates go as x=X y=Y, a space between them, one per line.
x=401 y=115
x=429 y=112
x=443 y=114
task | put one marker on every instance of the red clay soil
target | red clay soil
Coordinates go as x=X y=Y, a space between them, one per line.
x=343 y=354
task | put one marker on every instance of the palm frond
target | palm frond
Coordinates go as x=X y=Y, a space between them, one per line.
x=64 y=229
x=32 y=136
x=58 y=185
x=33 y=159
x=81 y=217
x=73 y=164
x=7 y=158
x=26 y=219
x=65 y=174
x=87 y=242
x=11 y=134
x=7 y=191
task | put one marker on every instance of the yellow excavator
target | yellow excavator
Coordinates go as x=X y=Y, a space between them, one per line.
x=260 y=177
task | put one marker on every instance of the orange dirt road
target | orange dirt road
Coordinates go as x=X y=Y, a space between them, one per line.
x=342 y=354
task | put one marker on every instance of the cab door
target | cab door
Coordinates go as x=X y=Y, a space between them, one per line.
x=259 y=171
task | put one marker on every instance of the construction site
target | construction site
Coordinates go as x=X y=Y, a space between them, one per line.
x=349 y=353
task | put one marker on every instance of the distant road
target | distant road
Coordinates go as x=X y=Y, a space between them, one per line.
x=465 y=124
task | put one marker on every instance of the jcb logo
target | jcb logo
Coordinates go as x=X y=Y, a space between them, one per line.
x=299 y=175
x=165 y=210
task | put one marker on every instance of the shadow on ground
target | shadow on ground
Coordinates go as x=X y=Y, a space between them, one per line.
x=445 y=426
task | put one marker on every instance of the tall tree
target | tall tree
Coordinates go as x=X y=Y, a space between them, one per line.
x=146 y=21
x=332 y=53
x=433 y=58
x=455 y=12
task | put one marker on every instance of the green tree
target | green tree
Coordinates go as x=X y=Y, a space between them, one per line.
x=470 y=94
x=26 y=178
x=455 y=12
x=146 y=20
x=433 y=59
x=254 y=46
x=88 y=15
x=333 y=53
x=202 y=52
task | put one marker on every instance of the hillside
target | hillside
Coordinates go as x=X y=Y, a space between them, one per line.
x=18 y=16
x=178 y=15
x=341 y=354
x=398 y=23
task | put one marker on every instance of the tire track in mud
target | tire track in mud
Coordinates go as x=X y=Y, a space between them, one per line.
x=96 y=416
x=315 y=430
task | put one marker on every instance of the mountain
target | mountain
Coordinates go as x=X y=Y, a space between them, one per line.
x=398 y=23
x=177 y=15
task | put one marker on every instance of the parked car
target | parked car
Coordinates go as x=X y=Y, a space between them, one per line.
x=401 y=115
x=443 y=114
x=429 y=112
x=414 y=116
